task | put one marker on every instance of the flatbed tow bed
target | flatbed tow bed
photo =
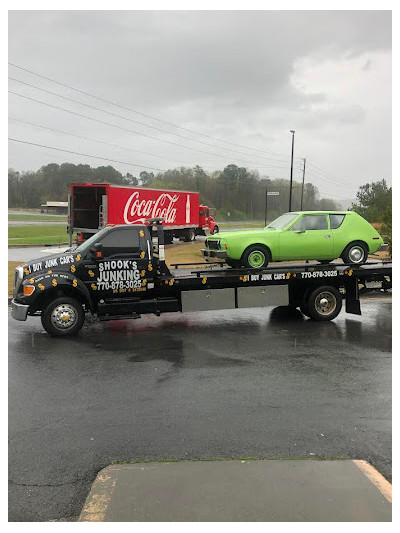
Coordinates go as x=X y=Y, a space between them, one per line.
x=318 y=290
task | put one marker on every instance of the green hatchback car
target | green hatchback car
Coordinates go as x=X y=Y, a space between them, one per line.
x=319 y=235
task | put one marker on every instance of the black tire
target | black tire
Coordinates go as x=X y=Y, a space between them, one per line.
x=324 y=261
x=256 y=256
x=356 y=253
x=324 y=303
x=63 y=317
x=190 y=235
x=215 y=230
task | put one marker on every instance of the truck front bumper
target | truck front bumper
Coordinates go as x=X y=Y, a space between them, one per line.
x=213 y=254
x=19 y=311
x=383 y=248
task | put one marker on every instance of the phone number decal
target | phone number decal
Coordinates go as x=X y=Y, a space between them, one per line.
x=320 y=274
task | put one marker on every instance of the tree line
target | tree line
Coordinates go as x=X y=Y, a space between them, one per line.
x=236 y=192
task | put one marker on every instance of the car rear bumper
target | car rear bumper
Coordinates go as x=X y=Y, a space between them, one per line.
x=383 y=247
x=213 y=254
x=19 y=311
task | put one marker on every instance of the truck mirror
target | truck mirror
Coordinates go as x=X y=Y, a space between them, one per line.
x=97 y=250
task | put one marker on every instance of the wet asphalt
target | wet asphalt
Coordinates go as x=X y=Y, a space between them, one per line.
x=222 y=384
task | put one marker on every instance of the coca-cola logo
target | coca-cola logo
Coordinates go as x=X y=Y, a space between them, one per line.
x=137 y=210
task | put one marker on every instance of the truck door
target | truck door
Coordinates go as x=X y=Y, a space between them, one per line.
x=122 y=266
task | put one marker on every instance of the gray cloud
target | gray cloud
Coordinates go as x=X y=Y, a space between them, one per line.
x=225 y=73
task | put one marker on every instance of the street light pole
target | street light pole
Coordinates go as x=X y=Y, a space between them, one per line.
x=302 y=187
x=291 y=172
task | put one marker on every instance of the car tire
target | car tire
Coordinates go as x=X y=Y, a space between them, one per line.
x=356 y=253
x=324 y=303
x=215 y=230
x=63 y=317
x=256 y=256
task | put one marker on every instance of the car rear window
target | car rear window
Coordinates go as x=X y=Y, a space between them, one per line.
x=336 y=221
x=311 y=222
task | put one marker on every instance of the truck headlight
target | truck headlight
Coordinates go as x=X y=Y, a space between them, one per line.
x=19 y=274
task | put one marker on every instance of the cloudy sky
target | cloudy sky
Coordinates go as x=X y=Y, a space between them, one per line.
x=239 y=81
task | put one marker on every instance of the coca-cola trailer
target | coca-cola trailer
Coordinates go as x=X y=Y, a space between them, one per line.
x=91 y=206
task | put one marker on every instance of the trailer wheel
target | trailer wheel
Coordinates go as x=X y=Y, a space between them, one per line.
x=190 y=235
x=63 y=317
x=324 y=303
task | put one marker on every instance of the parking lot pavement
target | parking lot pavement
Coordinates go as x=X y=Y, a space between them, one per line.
x=224 y=384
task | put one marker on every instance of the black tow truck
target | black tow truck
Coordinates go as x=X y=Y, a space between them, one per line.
x=120 y=273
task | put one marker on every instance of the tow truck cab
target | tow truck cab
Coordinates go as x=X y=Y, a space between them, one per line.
x=120 y=273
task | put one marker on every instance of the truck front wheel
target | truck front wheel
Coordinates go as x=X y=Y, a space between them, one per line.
x=63 y=317
x=324 y=303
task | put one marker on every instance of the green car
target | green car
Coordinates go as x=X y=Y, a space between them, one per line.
x=319 y=235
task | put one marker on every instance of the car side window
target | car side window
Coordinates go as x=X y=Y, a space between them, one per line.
x=336 y=221
x=311 y=222
x=121 y=241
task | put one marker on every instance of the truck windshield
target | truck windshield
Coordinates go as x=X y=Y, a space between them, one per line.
x=283 y=221
x=89 y=243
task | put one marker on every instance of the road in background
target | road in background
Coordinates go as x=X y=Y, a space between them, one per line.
x=249 y=383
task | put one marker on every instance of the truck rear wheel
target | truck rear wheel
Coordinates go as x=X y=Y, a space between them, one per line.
x=324 y=303
x=63 y=317
x=190 y=235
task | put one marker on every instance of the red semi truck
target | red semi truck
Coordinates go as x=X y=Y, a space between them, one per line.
x=91 y=206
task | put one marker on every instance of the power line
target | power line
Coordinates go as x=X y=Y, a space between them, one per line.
x=85 y=155
x=136 y=132
x=130 y=119
x=98 y=141
x=144 y=114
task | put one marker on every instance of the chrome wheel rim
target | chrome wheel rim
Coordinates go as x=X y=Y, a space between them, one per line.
x=64 y=316
x=325 y=303
x=356 y=254
x=256 y=259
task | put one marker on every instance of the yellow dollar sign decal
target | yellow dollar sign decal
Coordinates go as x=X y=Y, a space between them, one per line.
x=141 y=233
x=78 y=257
x=142 y=254
x=93 y=286
x=143 y=273
x=150 y=267
x=41 y=287
x=91 y=273
x=54 y=282
x=75 y=283
x=204 y=280
x=73 y=268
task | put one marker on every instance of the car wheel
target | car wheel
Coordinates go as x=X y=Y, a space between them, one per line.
x=355 y=253
x=324 y=303
x=63 y=317
x=256 y=256
x=215 y=230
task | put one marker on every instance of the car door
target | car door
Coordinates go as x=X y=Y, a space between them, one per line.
x=122 y=266
x=309 y=238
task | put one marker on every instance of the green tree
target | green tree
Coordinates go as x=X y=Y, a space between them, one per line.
x=373 y=199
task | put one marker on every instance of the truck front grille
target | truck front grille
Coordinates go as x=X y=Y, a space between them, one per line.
x=213 y=245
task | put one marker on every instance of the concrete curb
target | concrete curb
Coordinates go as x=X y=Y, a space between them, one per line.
x=294 y=490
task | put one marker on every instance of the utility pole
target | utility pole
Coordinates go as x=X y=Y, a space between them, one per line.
x=266 y=205
x=291 y=172
x=302 y=187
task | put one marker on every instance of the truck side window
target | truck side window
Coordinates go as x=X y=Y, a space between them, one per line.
x=121 y=241
x=311 y=222
x=336 y=221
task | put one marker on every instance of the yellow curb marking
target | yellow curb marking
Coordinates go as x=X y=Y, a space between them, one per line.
x=376 y=478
